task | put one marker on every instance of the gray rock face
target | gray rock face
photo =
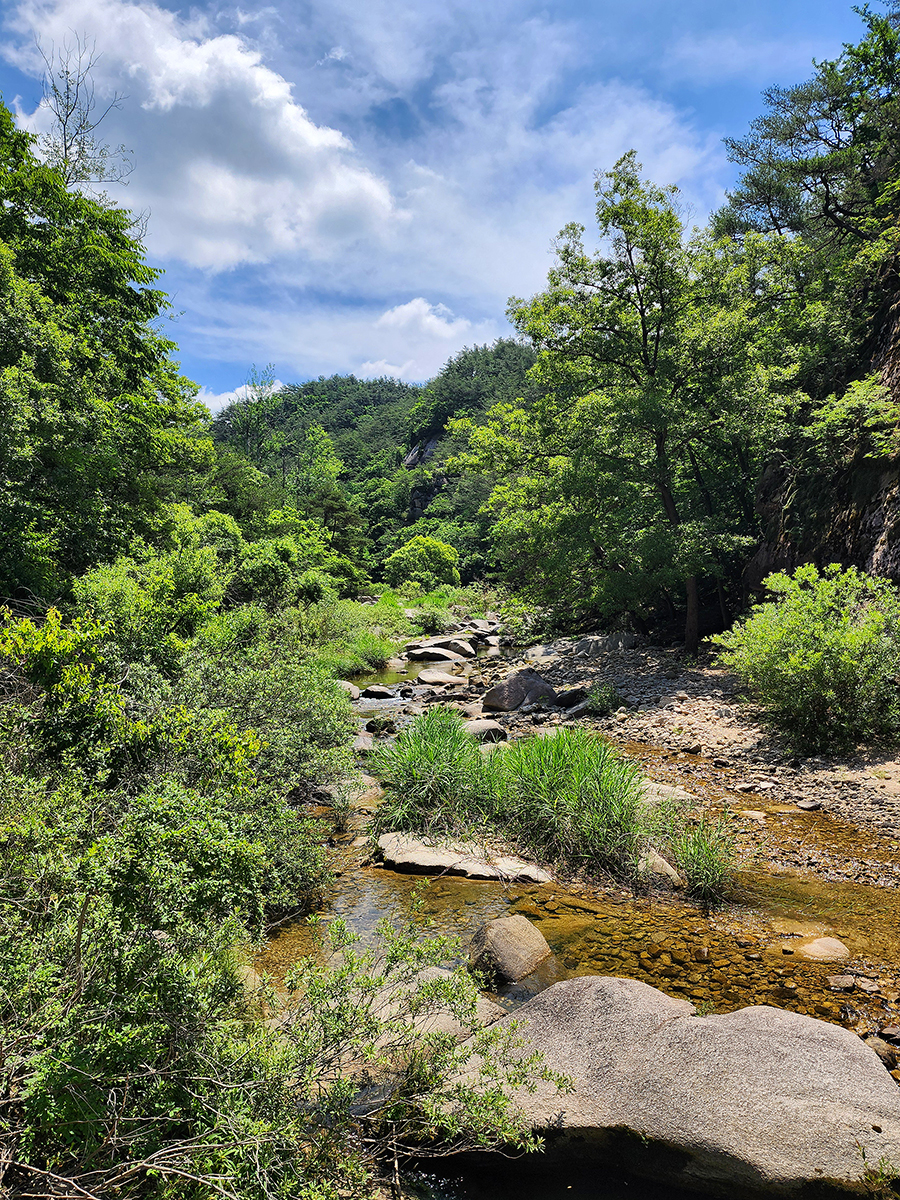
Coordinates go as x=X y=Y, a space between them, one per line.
x=433 y=654
x=510 y=947
x=486 y=730
x=756 y=1101
x=525 y=687
x=411 y=855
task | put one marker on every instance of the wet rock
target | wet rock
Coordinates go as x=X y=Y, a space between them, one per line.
x=885 y=1051
x=823 y=949
x=378 y=691
x=350 y=688
x=433 y=654
x=524 y=687
x=760 y=1101
x=510 y=947
x=486 y=730
x=432 y=676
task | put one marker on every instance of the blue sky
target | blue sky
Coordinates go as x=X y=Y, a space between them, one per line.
x=359 y=185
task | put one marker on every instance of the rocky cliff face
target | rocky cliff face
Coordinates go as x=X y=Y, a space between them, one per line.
x=851 y=517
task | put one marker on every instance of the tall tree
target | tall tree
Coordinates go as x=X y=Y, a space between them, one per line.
x=651 y=383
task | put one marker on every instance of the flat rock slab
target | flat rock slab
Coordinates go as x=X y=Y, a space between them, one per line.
x=758 y=1101
x=436 y=678
x=510 y=947
x=411 y=855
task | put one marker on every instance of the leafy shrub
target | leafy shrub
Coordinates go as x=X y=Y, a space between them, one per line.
x=823 y=656
x=432 y=620
x=266 y=573
x=603 y=699
x=425 y=561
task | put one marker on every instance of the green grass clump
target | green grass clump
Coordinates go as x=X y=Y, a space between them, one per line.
x=603 y=700
x=439 y=780
x=705 y=856
x=567 y=798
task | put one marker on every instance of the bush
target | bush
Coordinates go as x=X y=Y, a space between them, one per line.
x=603 y=699
x=424 y=561
x=823 y=656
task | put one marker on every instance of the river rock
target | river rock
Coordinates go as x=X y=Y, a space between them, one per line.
x=823 y=949
x=456 y=644
x=378 y=691
x=411 y=855
x=653 y=864
x=431 y=675
x=510 y=947
x=350 y=688
x=486 y=730
x=524 y=687
x=575 y=695
x=363 y=743
x=761 y=1101
x=435 y=1014
x=592 y=647
x=433 y=654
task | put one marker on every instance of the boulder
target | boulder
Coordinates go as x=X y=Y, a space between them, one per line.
x=411 y=855
x=433 y=676
x=758 y=1101
x=457 y=644
x=378 y=691
x=594 y=646
x=433 y=654
x=653 y=864
x=363 y=743
x=350 y=688
x=571 y=697
x=486 y=730
x=435 y=1015
x=823 y=949
x=524 y=687
x=510 y=947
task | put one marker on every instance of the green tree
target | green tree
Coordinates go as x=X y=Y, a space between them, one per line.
x=423 y=560
x=98 y=430
x=651 y=368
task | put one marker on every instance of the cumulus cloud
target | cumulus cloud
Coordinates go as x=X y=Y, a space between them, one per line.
x=231 y=166
x=216 y=401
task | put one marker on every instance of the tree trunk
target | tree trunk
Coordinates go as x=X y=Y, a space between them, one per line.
x=692 y=618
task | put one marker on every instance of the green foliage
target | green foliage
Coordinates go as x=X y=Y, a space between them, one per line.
x=567 y=798
x=97 y=428
x=423 y=560
x=705 y=853
x=822 y=656
x=603 y=699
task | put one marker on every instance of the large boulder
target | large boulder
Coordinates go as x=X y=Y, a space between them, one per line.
x=758 y=1101
x=524 y=687
x=378 y=691
x=458 y=645
x=510 y=947
x=592 y=647
x=433 y=654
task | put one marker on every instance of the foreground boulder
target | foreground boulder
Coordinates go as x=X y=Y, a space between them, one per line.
x=525 y=687
x=510 y=947
x=756 y=1101
x=411 y=855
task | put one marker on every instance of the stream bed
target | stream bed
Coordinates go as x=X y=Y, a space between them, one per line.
x=744 y=953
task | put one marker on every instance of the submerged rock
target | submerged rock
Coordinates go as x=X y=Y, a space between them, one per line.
x=510 y=947
x=758 y=1101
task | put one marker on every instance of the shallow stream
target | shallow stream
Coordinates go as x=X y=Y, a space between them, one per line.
x=742 y=954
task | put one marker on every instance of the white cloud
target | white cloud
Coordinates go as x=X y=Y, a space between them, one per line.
x=216 y=401
x=232 y=168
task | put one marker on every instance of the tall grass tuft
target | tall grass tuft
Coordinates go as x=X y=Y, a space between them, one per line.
x=705 y=856
x=438 y=779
